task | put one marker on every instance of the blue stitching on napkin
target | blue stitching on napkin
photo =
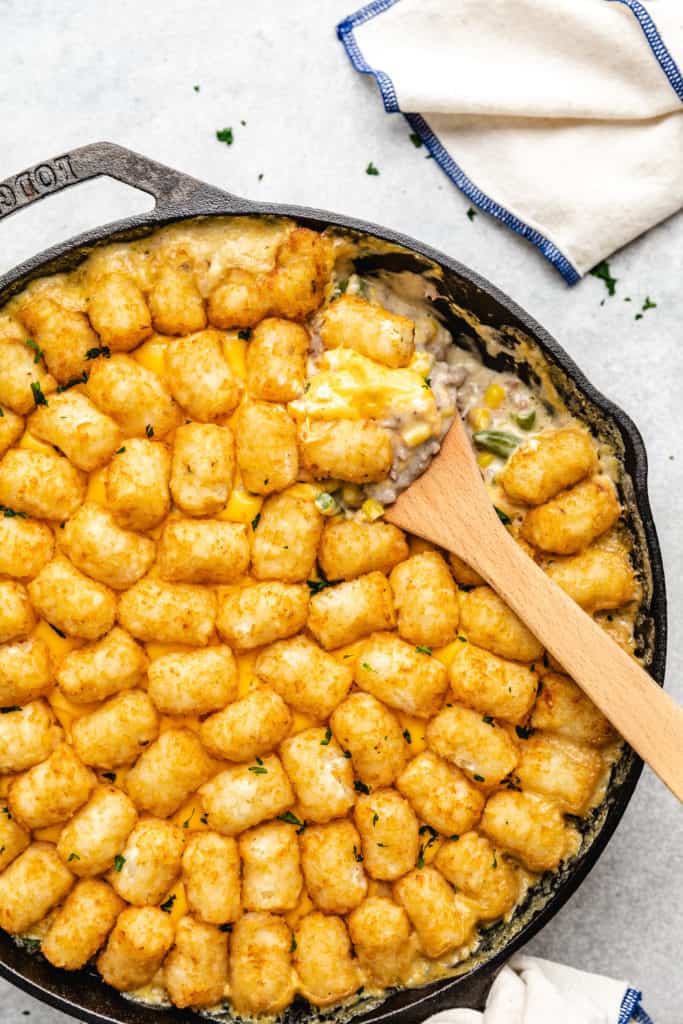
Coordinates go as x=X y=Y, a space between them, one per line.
x=441 y=155
x=657 y=45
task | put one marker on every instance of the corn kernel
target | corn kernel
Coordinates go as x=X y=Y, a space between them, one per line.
x=372 y=509
x=58 y=646
x=494 y=395
x=479 y=418
x=485 y=459
x=152 y=355
x=97 y=491
x=235 y=349
x=416 y=434
x=242 y=507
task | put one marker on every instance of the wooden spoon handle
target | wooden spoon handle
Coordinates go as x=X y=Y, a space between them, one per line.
x=640 y=710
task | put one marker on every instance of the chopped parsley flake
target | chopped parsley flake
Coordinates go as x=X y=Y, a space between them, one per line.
x=454 y=838
x=119 y=861
x=74 y=382
x=38 y=396
x=196 y=88
x=375 y=819
x=649 y=304
x=292 y=947
x=37 y=351
x=406 y=736
x=602 y=271
x=95 y=353
x=120 y=451
x=73 y=856
x=415 y=139
x=315 y=586
x=427 y=384
x=9 y=710
x=524 y=732
x=462 y=639
x=471 y=213
x=479 y=778
x=9 y=513
x=167 y=905
x=224 y=927
x=149 y=430
x=423 y=649
x=57 y=631
x=30 y=945
x=356 y=854
x=204 y=818
x=495 y=862
x=328 y=737
x=186 y=823
x=368 y=667
x=258 y=769
x=360 y=787
x=371 y=169
x=421 y=858
x=244 y=334
x=291 y=819
x=489 y=720
x=347 y=754
x=256 y=520
x=225 y=135
x=111 y=776
x=6 y=811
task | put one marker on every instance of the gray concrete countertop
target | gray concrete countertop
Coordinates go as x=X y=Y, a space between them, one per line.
x=74 y=73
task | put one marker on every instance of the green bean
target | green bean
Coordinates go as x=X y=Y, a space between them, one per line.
x=498 y=442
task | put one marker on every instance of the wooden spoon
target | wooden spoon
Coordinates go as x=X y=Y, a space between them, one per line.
x=449 y=506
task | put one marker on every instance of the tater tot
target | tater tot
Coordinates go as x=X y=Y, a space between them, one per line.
x=261 y=614
x=51 y=791
x=71 y=601
x=27 y=736
x=354 y=609
x=18 y=371
x=102 y=668
x=40 y=485
x=267 y=453
x=137 y=484
x=303 y=265
x=115 y=733
x=400 y=676
x=353 y=322
x=11 y=426
x=305 y=676
x=254 y=725
x=331 y=859
x=25 y=671
x=151 y=862
x=133 y=396
x=570 y=521
x=381 y=935
x=35 y=881
x=196 y=969
x=286 y=541
x=141 y=938
x=82 y=924
x=25 y=547
x=175 y=301
x=62 y=335
x=202 y=468
x=358 y=451
x=203 y=551
x=276 y=360
x=271 y=868
x=245 y=795
x=489 y=623
x=97 y=546
x=73 y=424
x=327 y=972
x=473 y=865
x=426 y=600
x=562 y=707
x=13 y=838
x=440 y=794
x=118 y=312
x=372 y=735
x=193 y=682
x=442 y=918
x=547 y=464
x=168 y=613
x=597 y=580
x=211 y=875
x=463 y=573
x=477 y=744
x=389 y=832
x=200 y=377
x=16 y=615
x=560 y=769
x=168 y=771
x=320 y=774
x=240 y=300
x=261 y=975
x=531 y=827
x=98 y=832
x=491 y=684
x=349 y=548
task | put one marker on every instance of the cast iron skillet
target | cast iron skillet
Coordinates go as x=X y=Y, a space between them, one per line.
x=473 y=309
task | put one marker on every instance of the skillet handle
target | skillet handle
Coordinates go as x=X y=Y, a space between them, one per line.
x=173 y=191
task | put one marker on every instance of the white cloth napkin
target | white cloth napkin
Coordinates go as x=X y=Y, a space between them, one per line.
x=533 y=991
x=562 y=118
